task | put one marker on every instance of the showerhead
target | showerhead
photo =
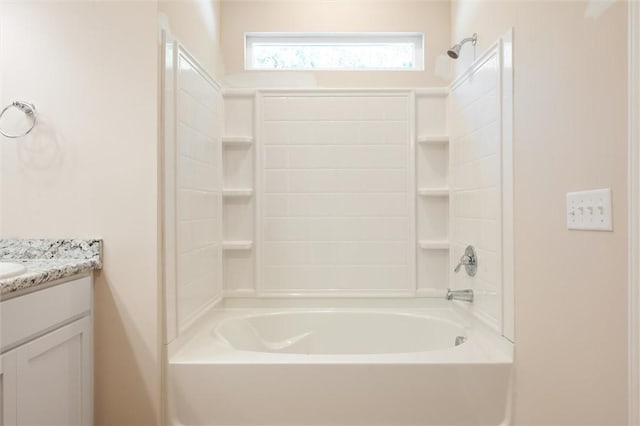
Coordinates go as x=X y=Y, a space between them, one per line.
x=454 y=52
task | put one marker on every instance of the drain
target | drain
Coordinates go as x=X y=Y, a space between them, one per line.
x=460 y=340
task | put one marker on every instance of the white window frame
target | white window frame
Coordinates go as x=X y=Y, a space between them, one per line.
x=415 y=38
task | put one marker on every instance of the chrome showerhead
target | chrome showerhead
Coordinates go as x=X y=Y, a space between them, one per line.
x=454 y=52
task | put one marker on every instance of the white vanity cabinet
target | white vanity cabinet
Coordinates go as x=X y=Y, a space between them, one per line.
x=47 y=357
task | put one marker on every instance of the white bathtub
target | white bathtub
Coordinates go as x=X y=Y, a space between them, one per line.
x=337 y=332
x=360 y=362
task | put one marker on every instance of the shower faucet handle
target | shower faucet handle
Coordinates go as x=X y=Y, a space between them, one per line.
x=464 y=260
x=469 y=260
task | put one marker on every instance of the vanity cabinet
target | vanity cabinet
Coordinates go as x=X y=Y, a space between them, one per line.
x=47 y=363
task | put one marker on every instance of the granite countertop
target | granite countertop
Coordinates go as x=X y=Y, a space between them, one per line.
x=46 y=261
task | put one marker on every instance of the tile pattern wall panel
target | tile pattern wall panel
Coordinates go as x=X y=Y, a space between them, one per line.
x=474 y=119
x=198 y=185
x=336 y=194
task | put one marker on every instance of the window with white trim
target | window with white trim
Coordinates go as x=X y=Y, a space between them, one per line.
x=334 y=51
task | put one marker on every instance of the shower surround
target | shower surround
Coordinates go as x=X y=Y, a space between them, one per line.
x=322 y=209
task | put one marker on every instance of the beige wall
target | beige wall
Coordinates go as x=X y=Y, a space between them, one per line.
x=196 y=24
x=430 y=17
x=89 y=170
x=570 y=134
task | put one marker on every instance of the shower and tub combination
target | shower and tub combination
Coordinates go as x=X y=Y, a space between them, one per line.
x=338 y=256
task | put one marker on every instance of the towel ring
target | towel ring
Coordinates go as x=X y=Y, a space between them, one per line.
x=25 y=107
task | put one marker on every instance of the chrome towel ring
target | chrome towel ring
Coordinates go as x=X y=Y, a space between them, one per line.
x=28 y=109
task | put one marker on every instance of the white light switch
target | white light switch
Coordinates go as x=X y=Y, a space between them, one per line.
x=589 y=210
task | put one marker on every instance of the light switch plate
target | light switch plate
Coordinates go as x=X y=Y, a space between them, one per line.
x=590 y=210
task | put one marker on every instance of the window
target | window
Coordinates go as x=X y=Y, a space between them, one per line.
x=334 y=51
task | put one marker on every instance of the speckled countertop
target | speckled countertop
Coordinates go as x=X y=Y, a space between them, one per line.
x=46 y=261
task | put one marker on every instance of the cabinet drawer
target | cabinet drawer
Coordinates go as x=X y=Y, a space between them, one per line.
x=26 y=317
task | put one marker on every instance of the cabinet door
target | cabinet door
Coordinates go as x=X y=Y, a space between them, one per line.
x=8 y=383
x=54 y=377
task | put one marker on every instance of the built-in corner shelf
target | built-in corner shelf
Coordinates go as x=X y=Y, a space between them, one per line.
x=433 y=140
x=237 y=141
x=433 y=192
x=434 y=244
x=237 y=245
x=237 y=193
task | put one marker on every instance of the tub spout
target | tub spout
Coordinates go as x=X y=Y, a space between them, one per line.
x=464 y=295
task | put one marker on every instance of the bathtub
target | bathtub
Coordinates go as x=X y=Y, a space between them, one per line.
x=339 y=362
